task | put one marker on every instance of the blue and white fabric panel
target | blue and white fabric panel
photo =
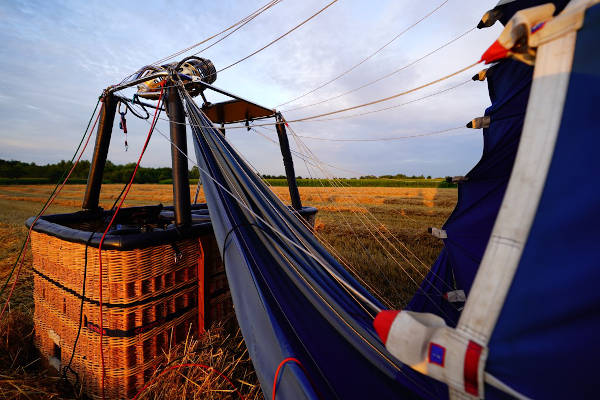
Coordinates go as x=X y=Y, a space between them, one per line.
x=550 y=321
x=479 y=197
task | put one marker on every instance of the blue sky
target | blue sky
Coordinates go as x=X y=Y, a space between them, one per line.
x=57 y=56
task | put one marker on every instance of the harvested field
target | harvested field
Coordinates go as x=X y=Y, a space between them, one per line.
x=349 y=222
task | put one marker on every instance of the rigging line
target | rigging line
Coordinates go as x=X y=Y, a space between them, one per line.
x=152 y=126
x=366 y=58
x=381 y=100
x=341 y=185
x=269 y=201
x=239 y=23
x=302 y=156
x=358 y=294
x=233 y=31
x=389 y=97
x=348 y=287
x=291 y=228
x=279 y=37
x=335 y=183
x=259 y=218
x=346 y=263
x=335 y=277
x=322 y=239
x=382 y=139
x=50 y=198
x=375 y=218
x=384 y=227
x=394 y=106
x=365 y=222
x=242 y=21
x=48 y=203
x=384 y=76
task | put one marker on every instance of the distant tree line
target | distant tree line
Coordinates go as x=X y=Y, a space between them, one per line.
x=397 y=176
x=113 y=173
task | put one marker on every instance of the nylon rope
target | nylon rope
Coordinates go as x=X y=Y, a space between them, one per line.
x=384 y=356
x=389 y=97
x=365 y=221
x=394 y=106
x=156 y=111
x=380 y=100
x=385 y=238
x=243 y=21
x=50 y=198
x=278 y=38
x=366 y=58
x=48 y=203
x=388 y=75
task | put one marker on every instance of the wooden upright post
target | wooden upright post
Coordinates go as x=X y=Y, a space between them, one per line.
x=179 y=162
x=94 y=182
x=288 y=163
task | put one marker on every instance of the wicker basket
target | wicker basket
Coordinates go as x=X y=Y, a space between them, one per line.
x=156 y=289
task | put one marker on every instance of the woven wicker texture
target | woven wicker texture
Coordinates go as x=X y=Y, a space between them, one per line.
x=152 y=299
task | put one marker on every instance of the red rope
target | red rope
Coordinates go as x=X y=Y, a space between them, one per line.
x=22 y=256
x=113 y=219
x=188 y=365
x=281 y=364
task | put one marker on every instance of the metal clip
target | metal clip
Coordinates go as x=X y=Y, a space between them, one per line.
x=455 y=296
x=456 y=179
x=480 y=122
x=481 y=75
x=438 y=233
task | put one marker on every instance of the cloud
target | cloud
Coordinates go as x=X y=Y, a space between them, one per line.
x=59 y=55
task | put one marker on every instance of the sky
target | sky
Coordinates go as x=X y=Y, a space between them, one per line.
x=58 y=56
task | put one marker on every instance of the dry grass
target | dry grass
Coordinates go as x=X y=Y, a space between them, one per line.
x=220 y=350
x=349 y=220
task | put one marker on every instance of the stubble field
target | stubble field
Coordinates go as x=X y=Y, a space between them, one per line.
x=379 y=233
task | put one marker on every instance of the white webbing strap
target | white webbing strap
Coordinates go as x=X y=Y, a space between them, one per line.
x=542 y=121
x=458 y=356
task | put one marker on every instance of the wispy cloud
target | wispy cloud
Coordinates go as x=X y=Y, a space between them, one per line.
x=59 y=55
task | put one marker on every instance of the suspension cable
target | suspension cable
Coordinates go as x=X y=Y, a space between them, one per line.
x=389 y=97
x=279 y=37
x=322 y=85
x=388 y=75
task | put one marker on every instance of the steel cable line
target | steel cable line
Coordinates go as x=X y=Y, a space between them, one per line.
x=50 y=197
x=394 y=106
x=322 y=239
x=381 y=100
x=237 y=24
x=243 y=21
x=279 y=37
x=384 y=76
x=356 y=295
x=366 y=58
x=274 y=230
x=376 y=226
x=376 y=229
x=232 y=32
x=389 y=97
x=385 y=139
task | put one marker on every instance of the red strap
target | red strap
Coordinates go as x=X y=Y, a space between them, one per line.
x=383 y=322
x=494 y=53
x=472 y=357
